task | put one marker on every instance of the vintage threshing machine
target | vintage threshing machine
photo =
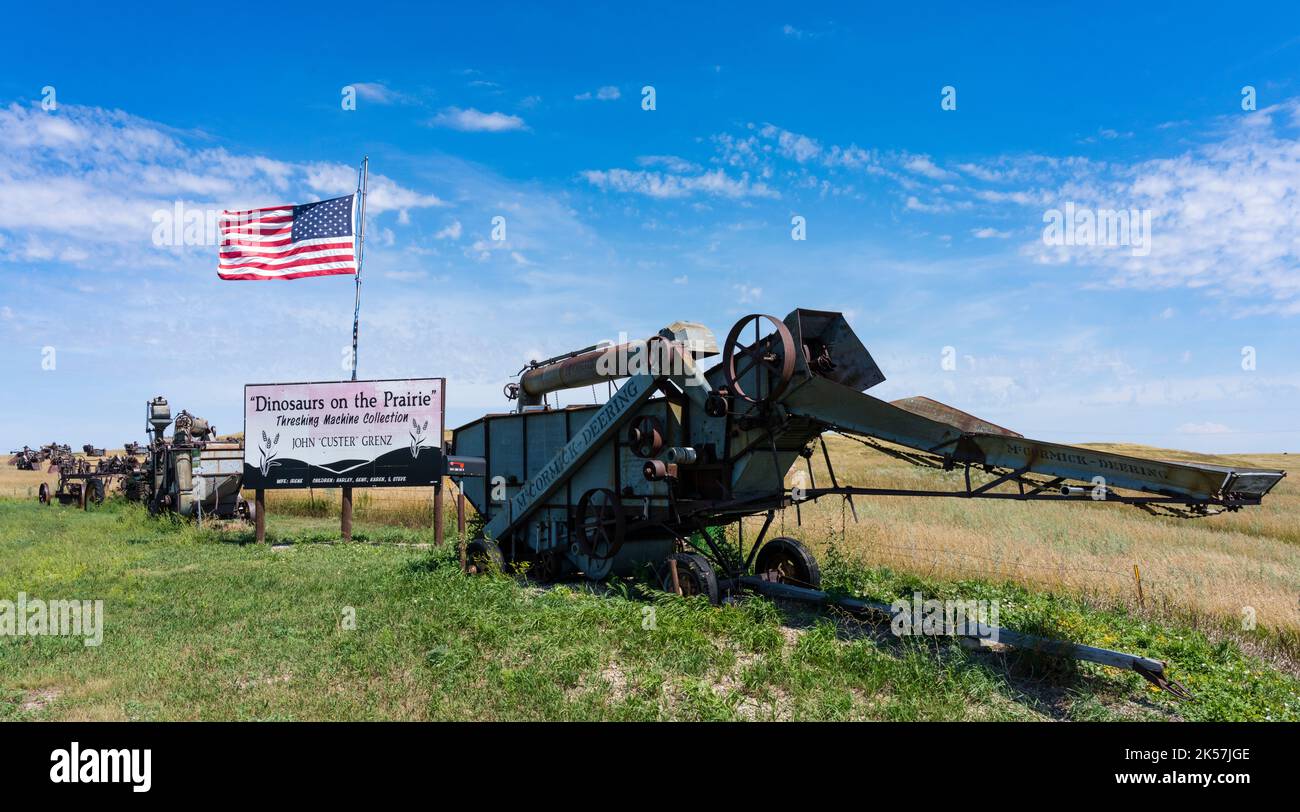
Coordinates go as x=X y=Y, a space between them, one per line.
x=192 y=473
x=652 y=476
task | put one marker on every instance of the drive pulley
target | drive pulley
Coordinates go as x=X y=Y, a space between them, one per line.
x=600 y=523
x=771 y=358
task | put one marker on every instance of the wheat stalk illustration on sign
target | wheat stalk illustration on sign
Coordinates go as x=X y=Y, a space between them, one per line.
x=268 y=456
x=417 y=438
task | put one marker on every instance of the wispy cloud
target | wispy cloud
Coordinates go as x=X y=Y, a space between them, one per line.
x=672 y=163
x=1224 y=215
x=449 y=232
x=923 y=165
x=667 y=185
x=380 y=93
x=472 y=120
x=90 y=173
x=605 y=93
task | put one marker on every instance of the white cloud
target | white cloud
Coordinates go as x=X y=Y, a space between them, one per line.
x=1204 y=428
x=379 y=93
x=93 y=174
x=914 y=203
x=472 y=120
x=989 y=233
x=451 y=232
x=792 y=145
x=922 y=165
x=669 y=162
x=661 y=185
x=606 y=93
x=1223 y=215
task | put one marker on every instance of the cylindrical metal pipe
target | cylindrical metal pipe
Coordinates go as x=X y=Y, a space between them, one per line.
x=580 y=370
x=600 y=365
x=680 y=456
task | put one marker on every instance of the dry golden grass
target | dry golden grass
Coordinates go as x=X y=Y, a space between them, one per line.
x=407 y=507
x=1214 y=566
x=23 y=484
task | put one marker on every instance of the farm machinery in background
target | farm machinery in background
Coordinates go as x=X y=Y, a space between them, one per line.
x=650 y=479
x=192 y=473
x=57 y=457
x=30 y=459
x=25 y=459
x=82 y=482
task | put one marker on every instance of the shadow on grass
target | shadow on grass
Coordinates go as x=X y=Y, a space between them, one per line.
x=1050 y=685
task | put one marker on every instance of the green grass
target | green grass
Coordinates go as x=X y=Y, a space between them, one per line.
x=200 y=624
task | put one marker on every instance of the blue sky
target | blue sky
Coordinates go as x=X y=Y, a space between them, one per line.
x=924 y=225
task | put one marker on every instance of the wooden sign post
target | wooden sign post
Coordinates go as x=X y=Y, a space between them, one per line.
x=345 y=514
x=259 y=515
x=437 y=513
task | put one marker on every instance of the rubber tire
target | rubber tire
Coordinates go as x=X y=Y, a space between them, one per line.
x=693 y=568
x=482 y=555
x=807 y=574
x=95 y=491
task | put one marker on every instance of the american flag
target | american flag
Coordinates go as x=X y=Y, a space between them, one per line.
x=288 y=242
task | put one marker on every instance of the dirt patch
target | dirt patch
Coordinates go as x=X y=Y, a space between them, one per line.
x=39 y=700
x=244 y=683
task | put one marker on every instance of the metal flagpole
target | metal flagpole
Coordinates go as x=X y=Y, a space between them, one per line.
x=363 y=181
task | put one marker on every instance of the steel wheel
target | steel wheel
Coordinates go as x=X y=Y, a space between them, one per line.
x=600 y=523
x=43 y=493
x=545 y=567
x=695 y=576
x=784 y=560
x=482 y=556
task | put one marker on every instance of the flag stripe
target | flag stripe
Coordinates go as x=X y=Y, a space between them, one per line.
x=243 y=217
x=294 y=275
x=288 y=262
x=307 y=249
x=260 y=245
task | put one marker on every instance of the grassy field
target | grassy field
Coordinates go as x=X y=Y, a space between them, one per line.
x=1205 y=571
x=200 y=624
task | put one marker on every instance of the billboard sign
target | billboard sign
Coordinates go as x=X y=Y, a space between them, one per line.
x=363 y=434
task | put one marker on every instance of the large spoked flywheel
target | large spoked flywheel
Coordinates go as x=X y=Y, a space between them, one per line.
x=771 y=359
x=600 y=524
